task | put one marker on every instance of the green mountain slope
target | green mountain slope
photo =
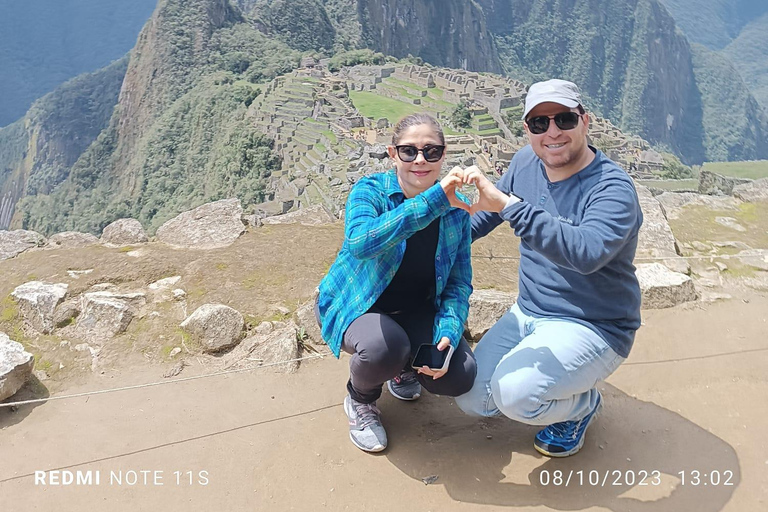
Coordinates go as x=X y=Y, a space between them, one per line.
x=37 y=151
x=43 y=43
x=178 y=135
x=749 y=54
x=714 y=23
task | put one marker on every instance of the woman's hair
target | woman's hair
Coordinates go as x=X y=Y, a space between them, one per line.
x=415 y=120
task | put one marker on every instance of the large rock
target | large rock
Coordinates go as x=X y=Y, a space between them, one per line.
x=37 y=302
x=655 y=239
x=663 y=288
x=16 y=366
x=310 y=216
x=756 y=258
x=15 y=242
x=674 y=202
x=278 y=346
x=217 y=326
x=716 y=184
x=307 y=321
x=485 y=309
x=71 y=240
x=105 y=314
x=124 y=232
x=753 y=191
x=209 y=226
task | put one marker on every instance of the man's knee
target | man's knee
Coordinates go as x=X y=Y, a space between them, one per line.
x=517 y=399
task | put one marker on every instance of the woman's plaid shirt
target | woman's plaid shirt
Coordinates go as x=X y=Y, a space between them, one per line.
x=379 y=219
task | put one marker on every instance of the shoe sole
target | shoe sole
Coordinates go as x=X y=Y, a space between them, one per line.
x=375 y=449
x=578 y=447
x=392 y=392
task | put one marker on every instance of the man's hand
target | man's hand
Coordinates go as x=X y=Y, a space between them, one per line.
x=452 y=181
x=436 y=374
x=491 y=199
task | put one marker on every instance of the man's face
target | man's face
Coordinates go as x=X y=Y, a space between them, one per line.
x=559 y=149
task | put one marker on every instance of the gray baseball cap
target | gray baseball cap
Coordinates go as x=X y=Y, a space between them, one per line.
x=556 y=91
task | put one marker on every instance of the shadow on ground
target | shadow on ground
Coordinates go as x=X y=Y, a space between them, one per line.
x=492 y=461
x=33 y=389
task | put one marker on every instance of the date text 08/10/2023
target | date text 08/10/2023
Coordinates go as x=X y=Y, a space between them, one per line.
x=617 y=477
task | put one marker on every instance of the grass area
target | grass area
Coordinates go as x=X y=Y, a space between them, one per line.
x=752 y=170
x=331 y=136
x=698 y=222
x=691 y=184
x=405 y=84
x=373 y=106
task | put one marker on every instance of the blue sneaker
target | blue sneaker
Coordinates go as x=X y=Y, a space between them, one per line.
x=567 y=437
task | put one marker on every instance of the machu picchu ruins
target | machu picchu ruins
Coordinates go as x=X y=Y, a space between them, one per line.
x=328 y=131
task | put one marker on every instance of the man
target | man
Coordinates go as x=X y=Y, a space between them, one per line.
x=577 y=215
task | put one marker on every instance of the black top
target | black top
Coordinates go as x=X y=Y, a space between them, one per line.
x=413 y=287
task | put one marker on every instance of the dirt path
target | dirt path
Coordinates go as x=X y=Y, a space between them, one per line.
x=691 y=397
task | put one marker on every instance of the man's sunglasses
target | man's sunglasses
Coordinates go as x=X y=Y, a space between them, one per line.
x=564 y=120
x=431 y=152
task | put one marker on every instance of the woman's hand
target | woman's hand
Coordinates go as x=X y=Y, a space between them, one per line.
x=436 y=374
x=452 y=180
x=490 y=198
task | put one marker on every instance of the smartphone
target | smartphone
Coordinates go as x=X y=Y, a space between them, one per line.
x=428 y=355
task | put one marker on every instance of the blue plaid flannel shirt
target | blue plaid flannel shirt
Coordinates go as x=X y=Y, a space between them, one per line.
x=379 y=219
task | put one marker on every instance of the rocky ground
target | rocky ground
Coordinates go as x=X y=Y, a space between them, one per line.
x=685 y=400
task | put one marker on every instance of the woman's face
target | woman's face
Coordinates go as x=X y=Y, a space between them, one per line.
x=417 y=176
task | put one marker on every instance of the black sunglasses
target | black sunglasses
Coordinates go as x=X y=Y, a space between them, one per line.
x=431 y=152
x=563 y=120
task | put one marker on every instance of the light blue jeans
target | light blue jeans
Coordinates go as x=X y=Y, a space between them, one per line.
x=538 y=371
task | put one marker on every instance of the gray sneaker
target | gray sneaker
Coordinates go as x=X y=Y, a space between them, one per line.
x=365 y=428
x=405 y=386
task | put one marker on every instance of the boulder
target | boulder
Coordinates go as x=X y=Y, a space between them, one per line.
x=71 y=240
x=13 y=243
x=305 y=316
x=655 y=239
x=731 y=223
x=377 y=151
x=752 y=192
x=106 y=314
x=37 y=302
x=16 y=366
x=485 y=309
x=218 y=327
x=756 y=258
x=674 y=202
x=311 y=216
x=209 y=226
x=66 y=312
x=124 y=232
x=275 y=346
x=711 y=183
x=663 y=288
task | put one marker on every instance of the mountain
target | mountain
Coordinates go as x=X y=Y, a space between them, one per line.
x=38 y=151
x=183 y=121
x=44 y=43
x=715 y=23
x=178 y=136
x=735 y=28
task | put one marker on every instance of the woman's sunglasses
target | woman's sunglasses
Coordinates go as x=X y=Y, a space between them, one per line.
x=431 y=152
x=564 y=120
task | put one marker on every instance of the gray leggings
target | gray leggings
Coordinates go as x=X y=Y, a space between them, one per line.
x=383 y=345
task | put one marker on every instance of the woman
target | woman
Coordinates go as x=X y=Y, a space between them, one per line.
x=402 y=279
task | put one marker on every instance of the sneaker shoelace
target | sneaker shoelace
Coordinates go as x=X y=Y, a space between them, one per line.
x=565 y=429
x=368 y=414
x=406 y=377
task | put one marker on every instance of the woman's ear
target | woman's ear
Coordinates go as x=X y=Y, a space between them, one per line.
x=392 y=151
